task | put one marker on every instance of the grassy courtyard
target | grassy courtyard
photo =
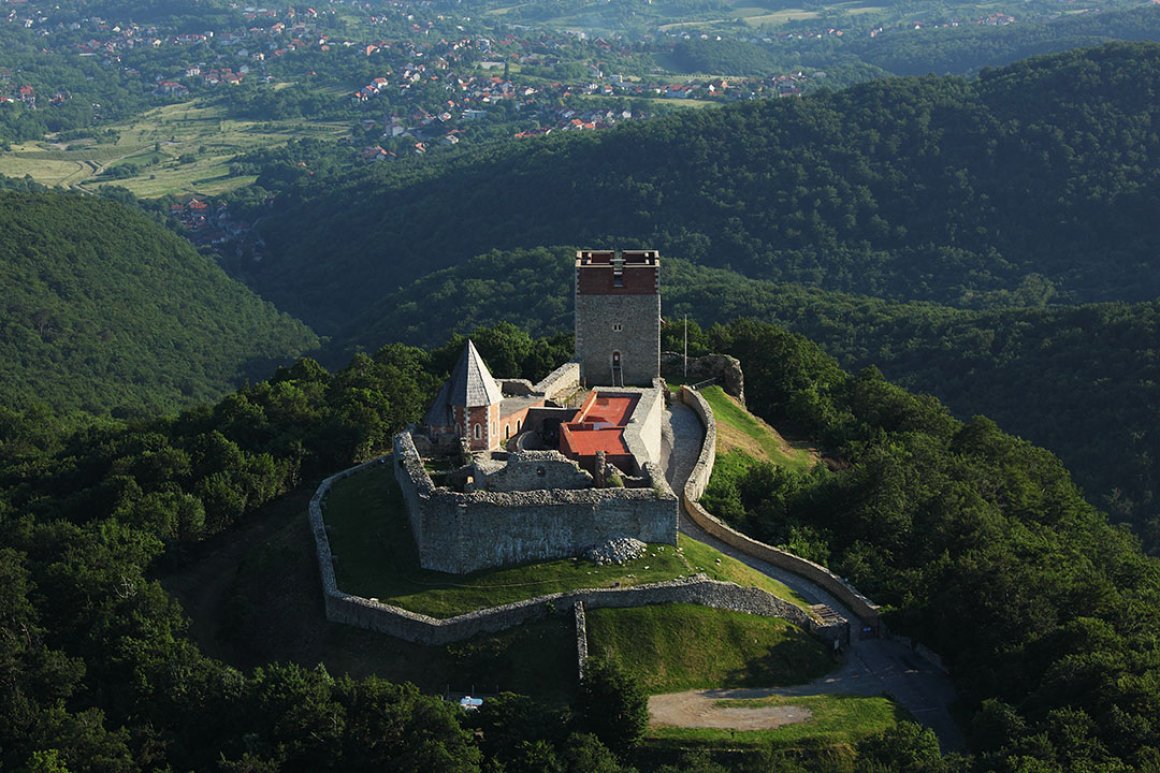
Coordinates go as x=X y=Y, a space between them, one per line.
x=377 y=558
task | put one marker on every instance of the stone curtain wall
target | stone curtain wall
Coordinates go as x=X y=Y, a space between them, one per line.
x=863 y=607
x=460 y=533
x=423 y=629
x=642 y=434
x=413 y=481
x=374 y=615
x=581 y=638
x=699 y=477
x=560 y=383
x=330 y=592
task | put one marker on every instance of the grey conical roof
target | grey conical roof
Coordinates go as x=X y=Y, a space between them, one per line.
x=471 y=382
x=470 y=385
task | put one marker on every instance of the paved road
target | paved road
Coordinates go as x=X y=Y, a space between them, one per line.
x=872 y=666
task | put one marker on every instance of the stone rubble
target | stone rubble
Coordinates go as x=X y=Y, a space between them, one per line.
x=617 y=551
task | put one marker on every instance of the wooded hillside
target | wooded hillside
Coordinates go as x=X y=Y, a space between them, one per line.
x=1027 y=185
x=106 y=312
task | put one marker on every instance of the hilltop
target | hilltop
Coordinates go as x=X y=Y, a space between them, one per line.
x=107 y=312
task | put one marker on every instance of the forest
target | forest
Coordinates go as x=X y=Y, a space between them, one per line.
x=106 y=312
x=978 y=544
x=939 y=189
x=987 y=216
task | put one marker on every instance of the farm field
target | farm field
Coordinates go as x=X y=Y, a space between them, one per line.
x=184 y=148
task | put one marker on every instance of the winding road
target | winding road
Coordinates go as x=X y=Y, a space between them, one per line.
x=871 y=666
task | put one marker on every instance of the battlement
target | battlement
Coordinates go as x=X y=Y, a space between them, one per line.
x=618 y=272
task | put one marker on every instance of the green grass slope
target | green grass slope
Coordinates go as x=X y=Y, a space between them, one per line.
x=670 y=647
x=104 y=311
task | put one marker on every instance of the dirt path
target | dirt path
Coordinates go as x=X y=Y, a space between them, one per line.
x=871 y=667
x=700 y=708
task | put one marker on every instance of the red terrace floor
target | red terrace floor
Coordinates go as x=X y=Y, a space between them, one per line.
x=599 y=426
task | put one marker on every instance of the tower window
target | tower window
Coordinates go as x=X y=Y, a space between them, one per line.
x=478 y=435
x=617 y=327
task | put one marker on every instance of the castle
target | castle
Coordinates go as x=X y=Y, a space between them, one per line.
x=528 y=471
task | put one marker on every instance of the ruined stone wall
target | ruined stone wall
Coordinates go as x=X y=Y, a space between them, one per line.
x=413 y=480
x=374 y=615
x=536 y=469
x=520 y=387
x=863 y=607
x=460 y=533
x=560 y=383
x=423 y=629
x=330 y=591
x=467 y=532
x=581 y=639
x=726 y=370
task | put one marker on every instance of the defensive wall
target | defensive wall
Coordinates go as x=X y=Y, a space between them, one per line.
x=581 y=638
x=465 y=532
x=423 y=629
x=560 y=383
x=864 y=608
x=642 y=434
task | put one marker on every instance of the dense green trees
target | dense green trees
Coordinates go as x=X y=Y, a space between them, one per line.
x=977 y=543
x=981 y=547
x=105 y=312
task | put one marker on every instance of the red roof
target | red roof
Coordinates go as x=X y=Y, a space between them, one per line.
x=599 y=426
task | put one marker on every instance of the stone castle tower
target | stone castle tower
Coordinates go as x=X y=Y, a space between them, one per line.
x=618 y=317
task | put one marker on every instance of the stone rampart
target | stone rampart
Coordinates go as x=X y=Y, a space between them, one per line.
x=699 y=477
x=321 y=539
x=560 y=383
x=864 y=608
x=581 y=638
x=423 y=629
x=465 y=532
x=374 y=615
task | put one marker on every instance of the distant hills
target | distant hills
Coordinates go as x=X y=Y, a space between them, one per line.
x=1026 y=185
x=105 y=312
